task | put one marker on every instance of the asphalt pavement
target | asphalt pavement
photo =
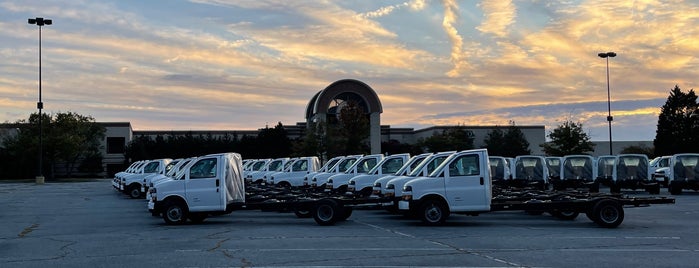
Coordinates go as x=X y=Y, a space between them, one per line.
x=89 y=224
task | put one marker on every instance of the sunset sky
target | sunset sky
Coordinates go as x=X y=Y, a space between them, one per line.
x=242 y=64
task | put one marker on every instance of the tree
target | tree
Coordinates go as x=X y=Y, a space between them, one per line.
x=69 y=138
x=354 y=125
x=515 y=142
x=495 y=142
x=568 y=139
x=73 y=137
x=451 y=139
x=274 y=142
x=678 y=124
x=638 y=149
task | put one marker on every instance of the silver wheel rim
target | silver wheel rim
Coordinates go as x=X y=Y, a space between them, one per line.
x=325 y=212
x=609 y=214
x=174 y=214
x=433 y=213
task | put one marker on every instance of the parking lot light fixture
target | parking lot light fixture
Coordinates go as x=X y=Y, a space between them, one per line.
x=607 y=55
x=40 y=105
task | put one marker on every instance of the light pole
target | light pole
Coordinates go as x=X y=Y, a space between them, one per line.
x=606 y=56
x=40 y=105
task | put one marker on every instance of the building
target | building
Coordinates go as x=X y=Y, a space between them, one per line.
x=323 y=106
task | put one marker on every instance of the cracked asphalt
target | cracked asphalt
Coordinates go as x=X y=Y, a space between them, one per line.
x=88 y=224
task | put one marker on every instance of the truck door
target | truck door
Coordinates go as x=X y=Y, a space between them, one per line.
x=204 y=185
x=467 y=183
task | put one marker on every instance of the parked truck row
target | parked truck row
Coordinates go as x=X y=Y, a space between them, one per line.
x=428 y=187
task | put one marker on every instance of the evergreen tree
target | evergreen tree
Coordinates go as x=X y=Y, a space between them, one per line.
x=515 y=143
x=354 y=124
x=568 y=139
x=678 y=124
x=495 y=142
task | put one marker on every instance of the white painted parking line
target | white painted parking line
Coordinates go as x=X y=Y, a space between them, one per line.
x=626 y=250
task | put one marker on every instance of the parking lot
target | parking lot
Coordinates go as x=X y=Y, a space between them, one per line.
x=88 y=224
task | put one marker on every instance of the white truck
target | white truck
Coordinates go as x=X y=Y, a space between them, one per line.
x=338 y=183
x=462 y=184
x=394 y=187
x=133 y=168
x=577 y=171
x=325 y=168
x=276 y=165
x=362 y=185
x=379 y=187
x=131 y=184
x=293 y=177
x=318 y=180
x=213 y=185
x=683 y=173
x=210 y=185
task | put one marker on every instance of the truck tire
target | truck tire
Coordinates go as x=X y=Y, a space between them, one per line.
x=134 y=191
x=674 y=189
x=433 y=212
x=175 y=212
x=197 y=217
x=654 y=189
x=302 y=213
x=608 y=213
x=326 y=212
x=565 y=215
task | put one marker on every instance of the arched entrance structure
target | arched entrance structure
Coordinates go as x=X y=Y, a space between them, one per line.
x=331 y=99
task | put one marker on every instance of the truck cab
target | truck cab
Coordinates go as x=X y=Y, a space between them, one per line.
x=210 y=185
x=339 y=182
x=394 y=187
x=683 y=173
x=319 y=180
x=131 y=184
x=577 y=171
x=362 y=184
x=379 y=188
x=530 y=171
x=461 y=184
x=298 y=170
x=276 y=165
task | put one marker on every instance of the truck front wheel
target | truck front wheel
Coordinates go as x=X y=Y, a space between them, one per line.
x=608 y=213
x=134 y=191
x=175 y=212
x=433 y=212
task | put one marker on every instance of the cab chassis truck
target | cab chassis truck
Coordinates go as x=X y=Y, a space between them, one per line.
x=180 y=202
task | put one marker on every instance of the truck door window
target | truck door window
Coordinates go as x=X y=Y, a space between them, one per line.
x=205 y=168
x=466 y=165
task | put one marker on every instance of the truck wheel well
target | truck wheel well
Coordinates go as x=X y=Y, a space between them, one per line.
x=434 y=197
x=175 y=199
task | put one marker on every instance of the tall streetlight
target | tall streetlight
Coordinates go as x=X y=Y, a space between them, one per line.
x=607 y=55
x=40 y=105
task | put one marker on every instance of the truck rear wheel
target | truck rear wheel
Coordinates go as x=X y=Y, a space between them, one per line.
x=326 y=212
x=565 y=215
x=608 y=213
x=302 y=213
x=175 y=212
x=433 y=212
x=674 y=189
